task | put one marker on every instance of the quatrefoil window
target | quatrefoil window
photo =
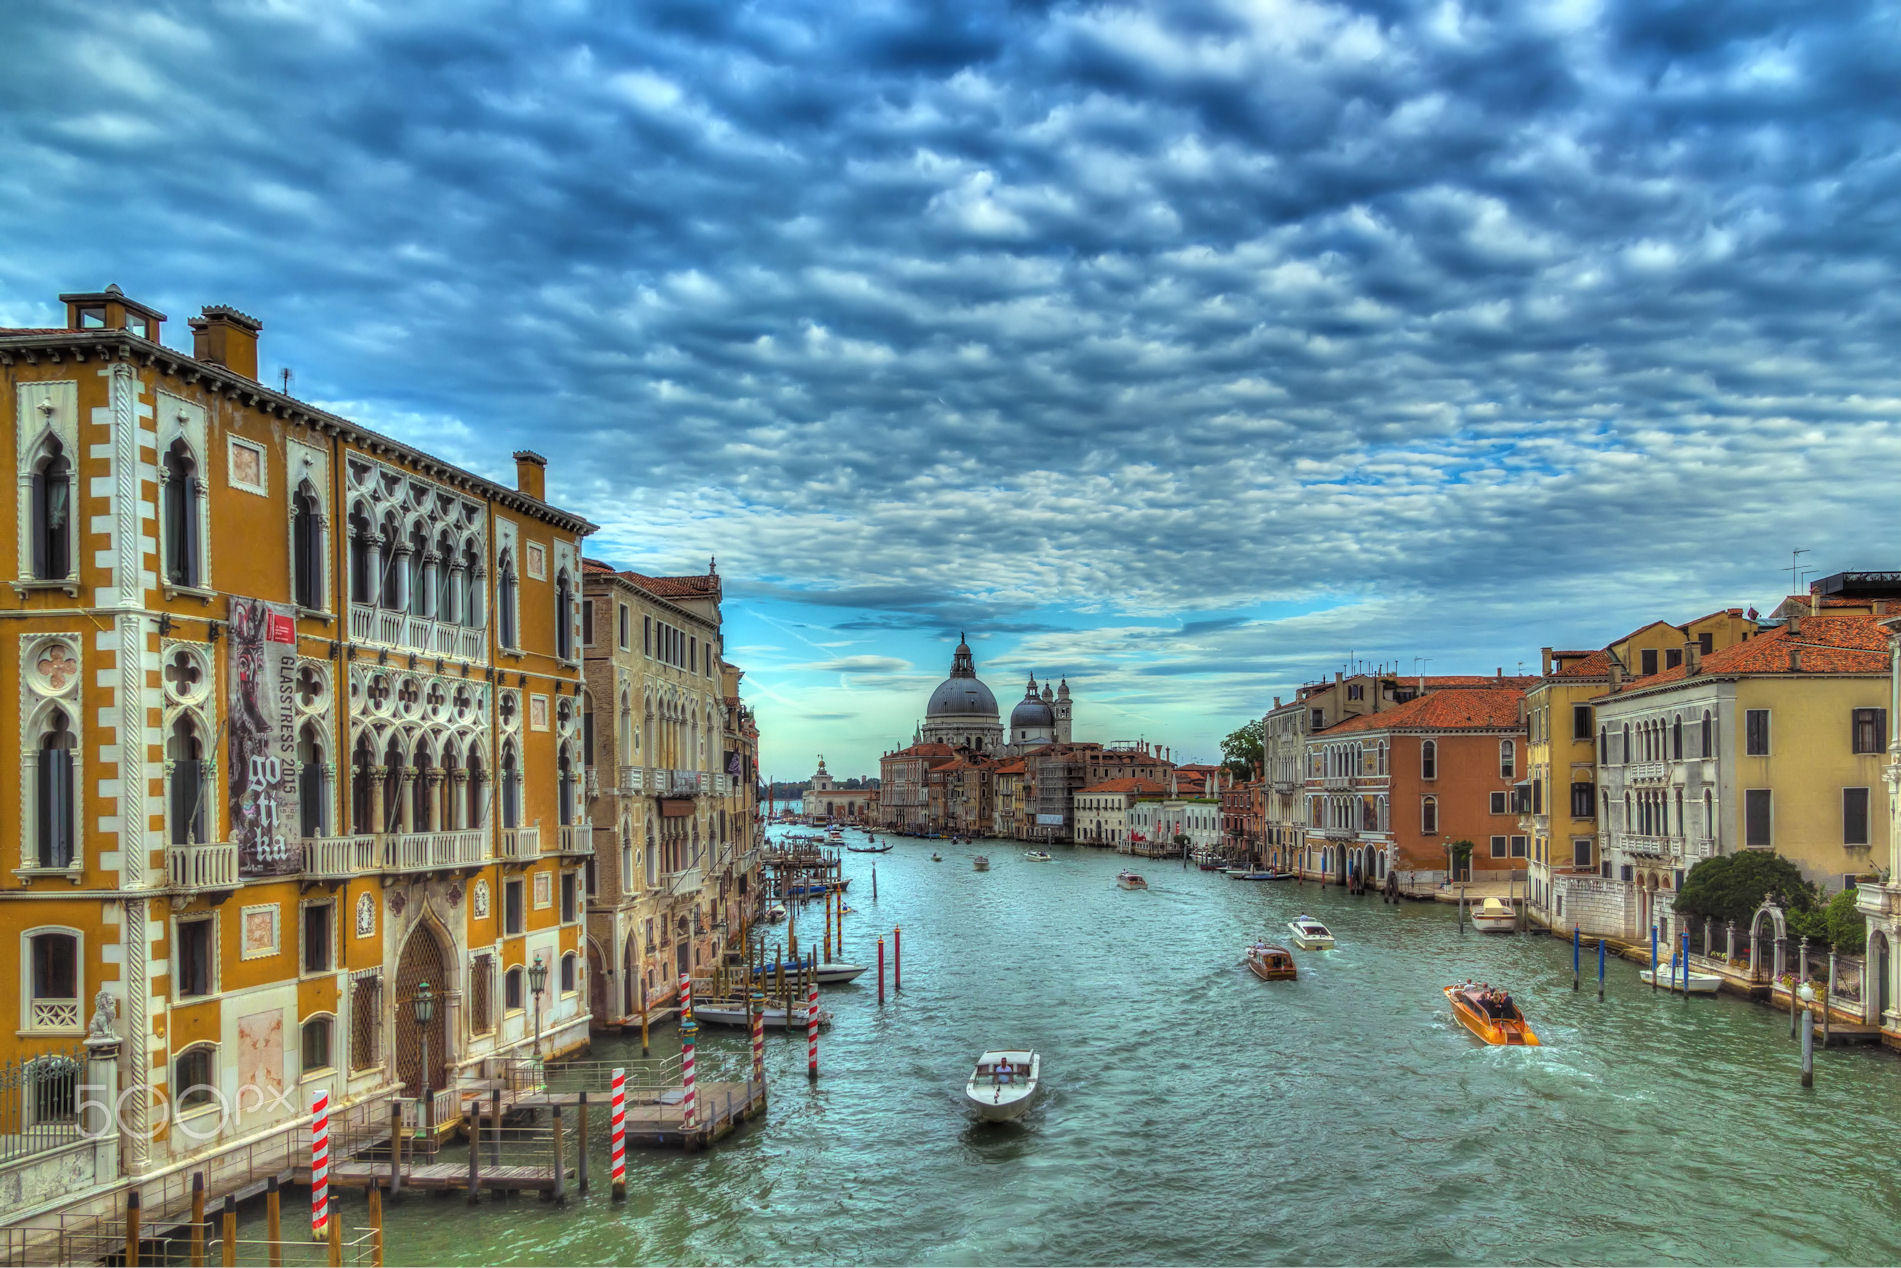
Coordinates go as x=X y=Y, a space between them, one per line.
x=311 y=688
x=56 y=666
x=184 y=676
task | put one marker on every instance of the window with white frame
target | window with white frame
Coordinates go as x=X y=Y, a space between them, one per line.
x=53 y=985
x=319 y=1043
x=570 y=974
x=194 y=956
x=194 y=1077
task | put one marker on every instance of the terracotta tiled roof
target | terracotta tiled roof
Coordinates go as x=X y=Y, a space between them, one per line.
x=36 y=330
x=1593 y=665
x=1824 y=645
x=1453 y=709
x=702 y=584
x=1516 y=682
x=1012 y=767
x=1135 y=784
x=930 y=748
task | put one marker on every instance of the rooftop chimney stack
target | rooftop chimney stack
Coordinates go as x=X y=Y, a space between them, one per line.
x=1545 y=652
x=531 y=474
x=1692 y=658
x=224 y=336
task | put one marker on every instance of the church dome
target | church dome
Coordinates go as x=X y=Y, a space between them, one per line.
x=1033 y=710
x=963 y=694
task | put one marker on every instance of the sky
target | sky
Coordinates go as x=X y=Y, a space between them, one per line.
x=1186 y=351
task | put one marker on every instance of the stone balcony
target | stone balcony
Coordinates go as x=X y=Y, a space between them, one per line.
x=518 y=845
x=423 y=635
x=575 y=838
x=1646 y=772
x=1881 y=901
x=202 y=865
x=339 y=858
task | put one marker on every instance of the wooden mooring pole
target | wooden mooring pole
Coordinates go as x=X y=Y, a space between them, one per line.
x=560 y=1162
x=376 y=1224
x=1600 y=966
x=580 y=1141
x=473 y=1117
x=274 y=1221
x=132 y=1228
x=333 y=1229
x=228 y=1234
x=1577 y=973
x=198 y=1219
x=395 y=1150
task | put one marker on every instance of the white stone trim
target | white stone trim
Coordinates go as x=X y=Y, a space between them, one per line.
x=234 y=442
x=46 y=411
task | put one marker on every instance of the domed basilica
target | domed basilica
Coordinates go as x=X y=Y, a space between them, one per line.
x=963 y=713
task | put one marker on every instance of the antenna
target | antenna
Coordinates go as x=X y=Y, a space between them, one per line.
x=1795 y=572
x=285 y=375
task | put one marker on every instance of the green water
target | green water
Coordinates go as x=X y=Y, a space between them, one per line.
x=1196 y=1115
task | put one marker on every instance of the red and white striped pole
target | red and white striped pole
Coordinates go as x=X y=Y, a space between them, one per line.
x=686 y=995
x=689 y=1031
x=811 y=1034
x=319 y=1164
x=617 y=1146
x=758 y=1036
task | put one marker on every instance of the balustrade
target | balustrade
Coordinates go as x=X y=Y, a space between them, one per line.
x=422 y=851
x=416 y=633
x=577 y=838
x=339 y=856
x=518 y=843
x=208 y=865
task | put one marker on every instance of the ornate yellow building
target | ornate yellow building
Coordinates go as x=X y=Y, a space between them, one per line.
x=299 y=729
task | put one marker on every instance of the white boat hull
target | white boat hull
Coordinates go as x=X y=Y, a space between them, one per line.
x=1495 y=924
x=1700 y=983
x=997 y=1102
x=775 y=1018
x=1309 y=941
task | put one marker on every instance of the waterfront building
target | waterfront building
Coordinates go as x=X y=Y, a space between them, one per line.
x=1102 y=810
x=968 y=784
x=1157 y=821
x=1776 y=743
x=1242 y=805
x=669 y=823
x=825 y=800
x=1390 y=792
x=299 y=729
x=904 y=789
x=1008 y=793
x=1560 y=799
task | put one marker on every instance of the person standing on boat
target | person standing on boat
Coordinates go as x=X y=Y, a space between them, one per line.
x=1003 y=1070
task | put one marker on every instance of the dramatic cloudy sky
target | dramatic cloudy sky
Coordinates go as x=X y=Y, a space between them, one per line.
x=1183 y=349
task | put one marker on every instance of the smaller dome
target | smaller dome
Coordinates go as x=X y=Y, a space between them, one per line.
x=1032 y=712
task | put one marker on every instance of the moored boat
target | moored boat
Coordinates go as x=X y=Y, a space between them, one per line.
x=724 y=1012
x=1271 y=963
x=1494 y=916
x=1004 y=1084
x=1673 y=978
x=1491 y=1015
x=1310 y=934
x=1251 y=874
x=774 y=913
x=829 y=974
x=1126 y=879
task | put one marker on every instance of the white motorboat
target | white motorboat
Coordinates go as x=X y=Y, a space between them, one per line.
x=1004 y=1084
x=733 y=1013
x=1126 y=879
x=1310 y=934
x=1037 y=856
x=1494 y=916
x=1672 y=978
x=981 y=863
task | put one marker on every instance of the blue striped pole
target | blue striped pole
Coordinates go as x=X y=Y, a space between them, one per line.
x=1686 y=964
x=1600 y=967
x=1653 y=957
x=1577 y=974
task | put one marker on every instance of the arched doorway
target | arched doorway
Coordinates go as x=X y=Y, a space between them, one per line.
x=1767 y=968
x=424 y=959
x=632 y=989
x=596 y=984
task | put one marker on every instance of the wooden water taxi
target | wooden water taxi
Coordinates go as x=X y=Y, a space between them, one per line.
x=1494 y=916
x=1271 y=963
x=1495 y=1020
x=1310 y=934
x=1126 y=879
x=1004 y=1084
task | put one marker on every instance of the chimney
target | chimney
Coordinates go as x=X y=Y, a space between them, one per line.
x=1617 y=673
x=224 y=336
x=1545 y=652
x=1499 y=672
x=1692 y=658
x=1795 y=623
x=1795 y=660
x=1336 y=678
x=531 y=474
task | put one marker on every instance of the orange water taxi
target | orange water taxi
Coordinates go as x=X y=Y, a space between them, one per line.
x=1271 y=963
x=1494 y=1020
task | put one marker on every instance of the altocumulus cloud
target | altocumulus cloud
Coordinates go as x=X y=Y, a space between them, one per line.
x=1462 y=327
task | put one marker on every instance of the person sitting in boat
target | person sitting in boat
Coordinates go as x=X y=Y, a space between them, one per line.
x=1003 y=1071
x=1504 y=1003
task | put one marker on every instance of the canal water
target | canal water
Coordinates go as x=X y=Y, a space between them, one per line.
x=1196 y=1115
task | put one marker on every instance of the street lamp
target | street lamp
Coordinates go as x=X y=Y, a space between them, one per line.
x=537 y=979
x=424 y=1002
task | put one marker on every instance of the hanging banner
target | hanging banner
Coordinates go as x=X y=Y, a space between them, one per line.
x=261 y=709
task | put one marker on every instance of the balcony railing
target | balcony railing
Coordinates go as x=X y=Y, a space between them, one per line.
x=424 y=851
x=1646 y=771
x=416 y=633
x=577 y=838
x=210 y=865
x=682 y=783
x=1641 y=843
x=683 y=881
x=1700 y=848
x=518 y=843
x=636 y=781
x=339 y=857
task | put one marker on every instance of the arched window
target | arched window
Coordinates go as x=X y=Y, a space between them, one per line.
x=505 y=600
x=319 y=1043
x=1507 y=759
x=570 y=977
x=181 y=494
x=416 y=575
x=1603 y=746
x=1709 y=815
x=393 y=766
x=185 y=749
x=1709 y=737
x=53 y=994
x=511 y=990
x=511 y=789
x=563 y=616
x=389 y=565
x=363 y=584
x=1681 y=829
x=1429 y=759
x=54 y=794
x=194 y=1077
x=421 y=787
x=564 y=768
x=362 y=763
x=1429 y=815
x=471 y=589
x=1626 y=753
x=306 y=549
x=311 y=793
x=653 y=858
x=52 y=514
x=445 y=607
x=1676 y=738
x=477 y=791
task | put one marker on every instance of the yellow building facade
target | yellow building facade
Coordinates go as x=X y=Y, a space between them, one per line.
x=298 y=724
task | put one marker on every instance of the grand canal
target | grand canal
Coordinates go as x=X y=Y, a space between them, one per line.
x=1196 y=1115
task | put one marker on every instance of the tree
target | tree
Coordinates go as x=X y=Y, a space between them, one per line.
x=1243 y=750
x=1733 y=886
x=1837 y=923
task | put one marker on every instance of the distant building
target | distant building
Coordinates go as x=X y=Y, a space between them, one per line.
x=825 y=800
